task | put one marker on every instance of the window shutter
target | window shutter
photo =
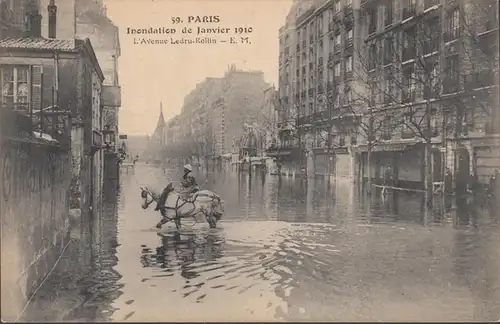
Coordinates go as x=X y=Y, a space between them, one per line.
x=48 y=85
x=36 y=87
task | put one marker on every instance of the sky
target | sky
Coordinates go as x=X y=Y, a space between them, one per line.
x=150 y=73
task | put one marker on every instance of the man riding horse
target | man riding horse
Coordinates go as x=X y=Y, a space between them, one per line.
x=182 y=204
x=189 y=185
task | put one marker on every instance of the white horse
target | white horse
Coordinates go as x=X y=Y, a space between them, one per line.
x=173 y=206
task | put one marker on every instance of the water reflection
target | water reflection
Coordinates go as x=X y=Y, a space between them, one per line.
x=84 y=284
x=299 y=250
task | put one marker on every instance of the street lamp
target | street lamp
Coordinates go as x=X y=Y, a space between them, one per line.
x=108 y=140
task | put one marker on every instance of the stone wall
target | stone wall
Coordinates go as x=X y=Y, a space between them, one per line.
x=34 y=224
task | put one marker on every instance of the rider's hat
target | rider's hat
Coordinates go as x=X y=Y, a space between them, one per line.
x=188 y=167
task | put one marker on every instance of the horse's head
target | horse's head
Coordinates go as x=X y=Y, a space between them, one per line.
x=147 y=196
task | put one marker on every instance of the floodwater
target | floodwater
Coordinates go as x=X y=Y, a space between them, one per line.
x=285 y=250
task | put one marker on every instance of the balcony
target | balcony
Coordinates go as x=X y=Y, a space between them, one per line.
x=320 y=89
x=409 y=12
x=310 y=92
x=408 y=53
x=479 y=80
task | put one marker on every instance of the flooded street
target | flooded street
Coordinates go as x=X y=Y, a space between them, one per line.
x=284 y=250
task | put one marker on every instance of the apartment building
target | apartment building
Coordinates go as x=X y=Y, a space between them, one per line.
x=359 y=76
x=434 y=67
x=318 y=54
x=213 y=113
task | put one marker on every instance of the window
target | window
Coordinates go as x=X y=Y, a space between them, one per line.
x=387 y=128
x=336 y=40
x=348 y=95
x=453 y=25
x=431 y=36
x=341 y=139
x=453 y=20
x=388 y=43
x=409 y=44
x=15 y=87
x=389 y=90
x=337 y=5
x=452 y=74
x=348 y=37
x=409 y=85
x=372 y=59
x=348 y=64
x=372 y=20
x=410 y=9
x=336 y=70
x=405 y=127
x=388 y=13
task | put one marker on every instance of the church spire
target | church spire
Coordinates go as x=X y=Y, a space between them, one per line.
x=161 y=119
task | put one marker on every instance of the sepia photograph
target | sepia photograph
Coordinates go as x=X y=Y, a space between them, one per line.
x=250 y=160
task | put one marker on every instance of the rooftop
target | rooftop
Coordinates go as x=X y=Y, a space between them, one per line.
x=38 y=43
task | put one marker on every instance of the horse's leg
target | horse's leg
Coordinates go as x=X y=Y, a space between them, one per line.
x=213 y=221
x=178 y=222
x=163 y=221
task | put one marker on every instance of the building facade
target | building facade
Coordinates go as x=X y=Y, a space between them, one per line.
x=51 y=98
x=390 y=80
x=92 y=22
x=210 y=123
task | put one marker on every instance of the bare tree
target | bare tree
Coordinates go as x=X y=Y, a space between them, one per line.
x=290 y=129
x=409 y=82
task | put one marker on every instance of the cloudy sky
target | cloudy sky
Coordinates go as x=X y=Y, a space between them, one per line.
x=153 y=73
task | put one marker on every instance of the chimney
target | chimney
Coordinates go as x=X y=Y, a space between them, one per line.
x=33 y=21
x=52 y=10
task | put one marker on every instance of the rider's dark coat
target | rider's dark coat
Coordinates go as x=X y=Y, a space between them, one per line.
x=188 y=182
